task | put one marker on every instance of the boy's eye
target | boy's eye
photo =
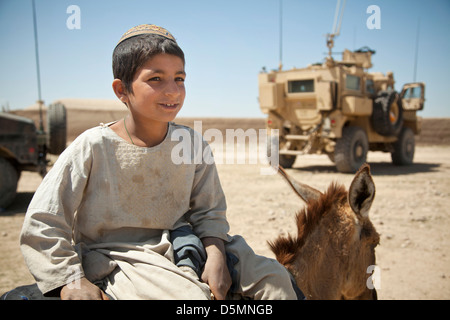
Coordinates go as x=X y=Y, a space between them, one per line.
x=154 y=79
x=179 y=79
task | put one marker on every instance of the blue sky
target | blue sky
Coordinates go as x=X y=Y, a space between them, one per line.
x=226 y=44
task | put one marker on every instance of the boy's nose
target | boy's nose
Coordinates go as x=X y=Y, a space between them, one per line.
x=172 y=89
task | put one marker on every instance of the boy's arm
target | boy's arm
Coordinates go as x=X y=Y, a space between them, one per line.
x=207 y=214
x=46 y=236
x=216 y=273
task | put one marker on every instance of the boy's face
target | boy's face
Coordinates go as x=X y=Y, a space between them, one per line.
x=158 y=89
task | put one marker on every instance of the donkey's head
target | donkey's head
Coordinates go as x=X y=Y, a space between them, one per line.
x=333 y=254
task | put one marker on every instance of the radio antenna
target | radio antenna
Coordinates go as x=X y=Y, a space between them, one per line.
x=38 y=72
x=417 y=50
x=338 y=14
x=280 y=66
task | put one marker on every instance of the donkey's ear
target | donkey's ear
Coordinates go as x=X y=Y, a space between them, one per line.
x=304 y=191
x=362 y=192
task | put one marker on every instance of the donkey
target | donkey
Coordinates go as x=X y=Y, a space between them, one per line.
x=335 y=242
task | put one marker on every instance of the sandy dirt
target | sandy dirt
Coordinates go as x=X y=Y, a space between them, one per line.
x=411 y=211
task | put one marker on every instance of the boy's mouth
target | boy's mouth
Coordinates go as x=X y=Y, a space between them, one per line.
x=169 y=106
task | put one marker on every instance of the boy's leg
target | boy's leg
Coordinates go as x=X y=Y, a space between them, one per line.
x=259 y=277
x=188 y=249
x=254 y=277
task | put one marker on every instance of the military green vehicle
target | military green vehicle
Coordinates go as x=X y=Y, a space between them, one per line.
x=339 y=109
x=23 y=147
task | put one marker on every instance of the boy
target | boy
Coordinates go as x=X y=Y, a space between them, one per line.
x=100 y=224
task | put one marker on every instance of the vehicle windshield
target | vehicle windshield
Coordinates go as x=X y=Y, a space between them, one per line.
x=301 y=86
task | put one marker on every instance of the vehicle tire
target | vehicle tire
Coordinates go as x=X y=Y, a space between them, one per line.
x=8 y=183
x=387 y=114
x=404 y=148
x=331 y=157
x=286 y=161
x=350 y=152
x=56 y=128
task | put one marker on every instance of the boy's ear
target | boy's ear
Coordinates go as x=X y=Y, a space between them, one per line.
x=120 y=91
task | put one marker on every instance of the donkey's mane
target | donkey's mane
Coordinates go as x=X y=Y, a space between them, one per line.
x=286 y=248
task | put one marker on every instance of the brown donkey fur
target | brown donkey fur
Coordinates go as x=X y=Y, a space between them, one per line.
x=335 y=242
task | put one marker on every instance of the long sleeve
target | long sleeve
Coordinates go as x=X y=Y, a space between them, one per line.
x=208 y=205
x=46 y=237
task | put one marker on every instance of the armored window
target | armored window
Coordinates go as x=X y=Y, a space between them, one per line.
x=301 y=86
x=413 y=92
x=352 y=82
x=370 y=88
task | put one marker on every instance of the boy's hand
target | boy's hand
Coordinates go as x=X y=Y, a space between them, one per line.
x=216 y=273
x=82 y=289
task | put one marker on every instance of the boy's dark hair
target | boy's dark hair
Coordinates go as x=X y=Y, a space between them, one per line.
x=132 y=53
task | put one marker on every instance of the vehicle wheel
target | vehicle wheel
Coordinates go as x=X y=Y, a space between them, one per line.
x=387 y=114
x=331 y=157
x=286 y=161
x=8 y=183
x=404 y=148
x=56 y=128
x=351 y=150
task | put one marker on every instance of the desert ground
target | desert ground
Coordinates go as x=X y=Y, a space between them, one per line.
x=411 y=210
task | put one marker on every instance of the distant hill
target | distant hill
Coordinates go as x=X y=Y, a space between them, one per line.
x=87 y=113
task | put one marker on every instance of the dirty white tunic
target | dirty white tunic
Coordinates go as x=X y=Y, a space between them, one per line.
x=105 y=209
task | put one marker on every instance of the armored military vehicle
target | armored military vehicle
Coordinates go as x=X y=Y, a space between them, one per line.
x=340 y=109
x=23 y=147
